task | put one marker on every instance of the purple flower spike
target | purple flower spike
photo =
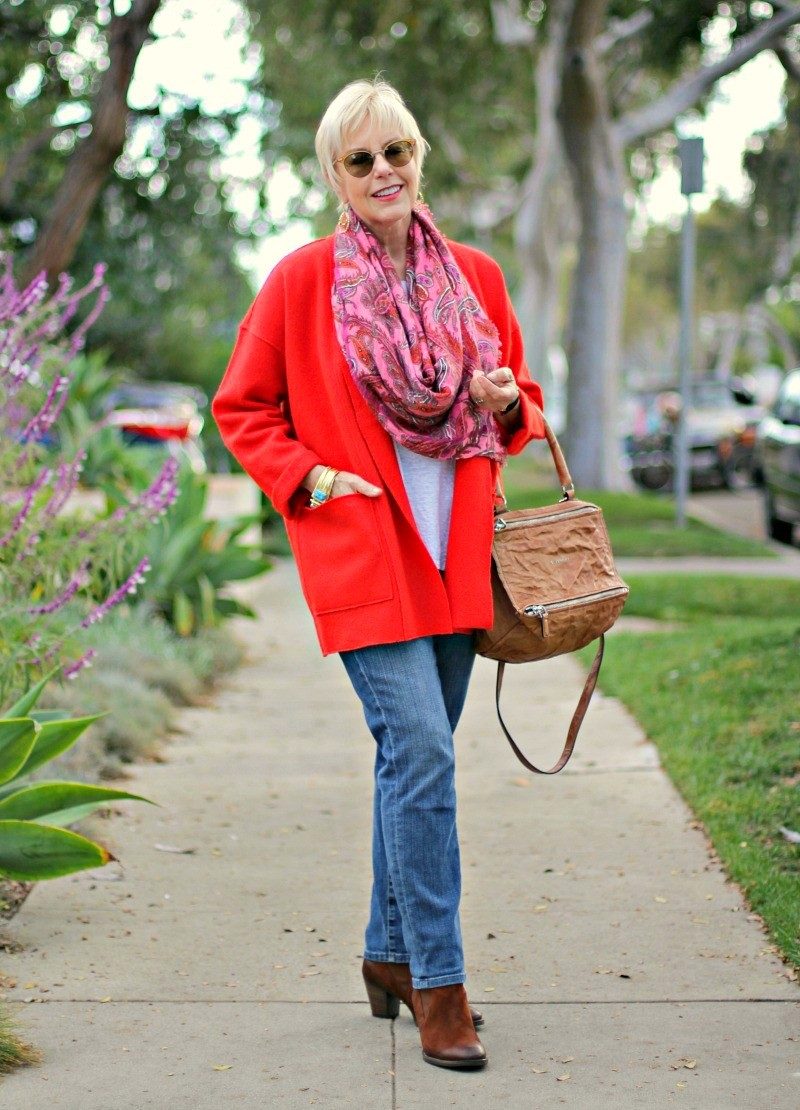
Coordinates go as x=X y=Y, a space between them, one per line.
x=58 y=602
x=72 y=670
x=129 y=586
x=27 y=505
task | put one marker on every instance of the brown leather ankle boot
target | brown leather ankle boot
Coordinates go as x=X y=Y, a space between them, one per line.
x=448 y=1036
x=389 y=984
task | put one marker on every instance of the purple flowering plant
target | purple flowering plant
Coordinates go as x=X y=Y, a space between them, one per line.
x=64 y=562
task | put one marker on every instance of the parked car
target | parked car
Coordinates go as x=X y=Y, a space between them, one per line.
x=161 y=415
x=778 y=446
x=722 y=424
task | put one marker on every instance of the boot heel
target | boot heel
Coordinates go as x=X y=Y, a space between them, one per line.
x=382 y=1003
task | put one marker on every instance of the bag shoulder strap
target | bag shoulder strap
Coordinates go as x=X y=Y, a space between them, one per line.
x=575 y=723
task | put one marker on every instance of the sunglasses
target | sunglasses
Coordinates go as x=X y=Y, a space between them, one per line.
x=359 y=163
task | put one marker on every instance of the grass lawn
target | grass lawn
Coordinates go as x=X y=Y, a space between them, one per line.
x=640 y=524
x=720 y=698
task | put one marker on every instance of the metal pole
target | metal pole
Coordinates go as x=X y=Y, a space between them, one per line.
x=681 y=440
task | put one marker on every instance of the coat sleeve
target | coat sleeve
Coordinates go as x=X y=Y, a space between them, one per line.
x=252 y=413
x=530 y=424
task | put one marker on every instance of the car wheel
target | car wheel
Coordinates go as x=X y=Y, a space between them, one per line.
x=653 y=477
x=777 y=528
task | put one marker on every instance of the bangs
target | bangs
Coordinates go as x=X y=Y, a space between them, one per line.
x=383 y=116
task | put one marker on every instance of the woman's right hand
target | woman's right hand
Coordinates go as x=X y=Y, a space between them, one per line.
x=344 y=483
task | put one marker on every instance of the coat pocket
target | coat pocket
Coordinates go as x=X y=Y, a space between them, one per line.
x=340 y=557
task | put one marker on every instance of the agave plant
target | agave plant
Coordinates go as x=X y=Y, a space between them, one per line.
x=34 y=844
x=192 y=559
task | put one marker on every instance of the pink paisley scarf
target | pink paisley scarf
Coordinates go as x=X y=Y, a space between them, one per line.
x=412 y=355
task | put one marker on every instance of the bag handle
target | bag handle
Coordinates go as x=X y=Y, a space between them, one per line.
x=575 y=723
x=564 y=476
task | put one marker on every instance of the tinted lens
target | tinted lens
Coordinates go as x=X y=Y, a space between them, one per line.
x=398 y=154
x=359 y=163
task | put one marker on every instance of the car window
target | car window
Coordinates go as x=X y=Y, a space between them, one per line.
x=787 y=406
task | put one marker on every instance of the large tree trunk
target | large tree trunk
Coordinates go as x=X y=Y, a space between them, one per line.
x=598 y=177
x=545 y=217
x=594 y=143
x=93 y=159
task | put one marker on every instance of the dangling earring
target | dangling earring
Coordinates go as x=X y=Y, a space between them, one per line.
x=344 y=220
x=420 y=197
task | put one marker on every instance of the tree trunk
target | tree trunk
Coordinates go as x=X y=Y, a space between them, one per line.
x=596 y=164
x=543 y=221
x=93 y=159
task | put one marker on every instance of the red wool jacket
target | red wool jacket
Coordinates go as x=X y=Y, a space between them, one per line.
x=287 y=402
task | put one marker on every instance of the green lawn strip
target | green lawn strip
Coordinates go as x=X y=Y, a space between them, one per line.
x=700 y=597
x=720 y=698
x=640 y=524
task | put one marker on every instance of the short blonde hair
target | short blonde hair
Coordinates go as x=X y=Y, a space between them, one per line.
x=374 y=100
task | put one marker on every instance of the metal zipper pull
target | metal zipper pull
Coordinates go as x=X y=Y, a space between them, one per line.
x=537 y=611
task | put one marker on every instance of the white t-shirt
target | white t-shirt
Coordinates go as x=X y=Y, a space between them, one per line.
x=429 y=485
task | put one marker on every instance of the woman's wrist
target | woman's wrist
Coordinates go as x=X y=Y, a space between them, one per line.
x=313 y=476
x=510 y=416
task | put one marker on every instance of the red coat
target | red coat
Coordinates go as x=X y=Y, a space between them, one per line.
x=288 y=402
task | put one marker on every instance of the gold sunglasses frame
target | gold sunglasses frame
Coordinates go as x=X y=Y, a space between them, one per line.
x=373 y=153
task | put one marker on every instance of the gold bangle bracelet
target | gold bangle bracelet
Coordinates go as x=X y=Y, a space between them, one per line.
x=323 y=488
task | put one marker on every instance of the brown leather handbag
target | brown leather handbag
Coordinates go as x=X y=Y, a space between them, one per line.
x=555 y=589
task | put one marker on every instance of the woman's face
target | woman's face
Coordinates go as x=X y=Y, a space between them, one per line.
x=384 y=198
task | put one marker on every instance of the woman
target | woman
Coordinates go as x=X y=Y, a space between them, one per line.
x=376 y=386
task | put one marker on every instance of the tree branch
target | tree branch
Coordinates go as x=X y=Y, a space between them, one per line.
x=93 y=158
x=622 y=30
x=687 y=90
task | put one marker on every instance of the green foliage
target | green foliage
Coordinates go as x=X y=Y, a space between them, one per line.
x=719 y=697
x=62 y=568
x=164 y=222
x=33 y=843
x=110 y=464
x=142 y=670
x=193 y=560
x=469 y=93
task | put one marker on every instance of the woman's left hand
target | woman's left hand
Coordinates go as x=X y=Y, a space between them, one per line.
x=494 y=391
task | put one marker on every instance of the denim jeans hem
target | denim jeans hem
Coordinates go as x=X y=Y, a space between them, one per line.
x=387 y=957
x=438 y=980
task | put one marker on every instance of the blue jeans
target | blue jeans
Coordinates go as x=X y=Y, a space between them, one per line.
x=413 y=693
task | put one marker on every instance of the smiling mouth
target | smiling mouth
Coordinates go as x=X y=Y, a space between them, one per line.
x=389 y=191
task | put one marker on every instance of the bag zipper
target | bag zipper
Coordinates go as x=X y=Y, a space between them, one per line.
x=501 y=525
x=543 y=611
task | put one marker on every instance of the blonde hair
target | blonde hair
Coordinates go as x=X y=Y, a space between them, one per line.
x=376 y=101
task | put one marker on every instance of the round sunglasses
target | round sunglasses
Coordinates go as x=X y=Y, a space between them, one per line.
x=359 y=163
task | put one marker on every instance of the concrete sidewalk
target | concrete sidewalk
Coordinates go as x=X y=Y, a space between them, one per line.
x=613 y=961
